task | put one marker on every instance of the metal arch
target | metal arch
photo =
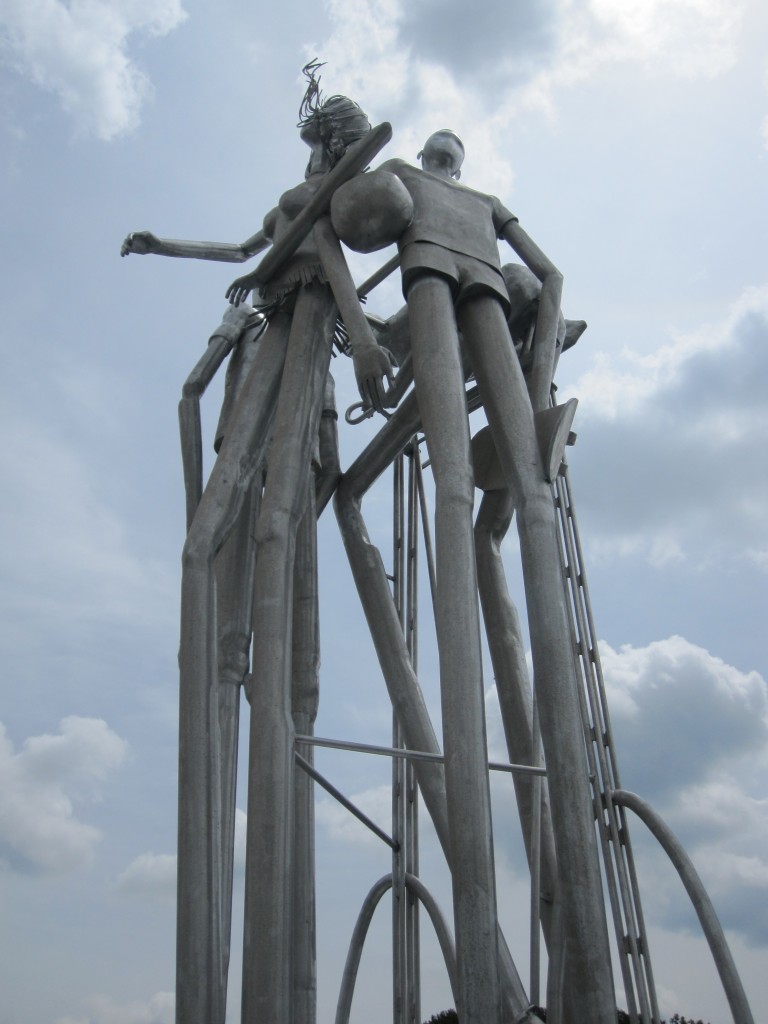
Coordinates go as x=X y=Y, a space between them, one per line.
x=360 y=932
x=702 y=904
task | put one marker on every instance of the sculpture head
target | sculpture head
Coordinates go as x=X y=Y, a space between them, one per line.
x=328 y=126
x=443 y=154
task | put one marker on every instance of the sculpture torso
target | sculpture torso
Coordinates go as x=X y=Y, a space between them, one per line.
x=304 y=266
x=450 y=215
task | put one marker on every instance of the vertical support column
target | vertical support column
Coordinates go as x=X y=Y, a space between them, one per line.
x=411 y=793
x=234 y=568
x=304 y=701
x=267 y=950
x=400 y=988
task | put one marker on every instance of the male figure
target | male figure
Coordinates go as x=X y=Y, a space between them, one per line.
x=452 y=281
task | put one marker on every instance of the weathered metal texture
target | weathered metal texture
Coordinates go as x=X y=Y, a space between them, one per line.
x=702 y=904
x=201 y=985
x=513 y=686
x=439 y=376
x=305 y=693
x=234 y=568
x=510 y=415
x=355 y=160
x=269 y=856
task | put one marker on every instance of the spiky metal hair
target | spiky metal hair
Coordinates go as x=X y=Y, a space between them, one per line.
x=340 y=121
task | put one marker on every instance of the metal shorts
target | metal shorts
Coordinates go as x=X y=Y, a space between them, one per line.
x=467 y=276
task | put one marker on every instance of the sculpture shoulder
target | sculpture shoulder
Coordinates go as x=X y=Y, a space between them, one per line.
x=397 y=166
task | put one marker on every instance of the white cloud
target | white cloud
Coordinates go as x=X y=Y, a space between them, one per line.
x=153 y=875
x=150 y=874
x=426 y=64
x=620 y=383
x=681 y=712
x=71 y=554
x=101 y=1009
x=677 y=437
x=343 y=827
x=40 y=785
x=689 y=38
x=691 y=737
x=77 y=51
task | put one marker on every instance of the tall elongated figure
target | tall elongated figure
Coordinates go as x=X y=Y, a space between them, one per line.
x=452 y=282
x=281 y=399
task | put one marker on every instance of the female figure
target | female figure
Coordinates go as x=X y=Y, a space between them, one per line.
x=281 y=398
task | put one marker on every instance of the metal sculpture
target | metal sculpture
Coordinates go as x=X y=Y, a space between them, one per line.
x=452 y=281
x=281 y=399
x=250 y=578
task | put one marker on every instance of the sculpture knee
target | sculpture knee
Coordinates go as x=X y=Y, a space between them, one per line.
x=197 y=553
x=455 y=490
x=233 y=655
x=536 y=508
x=276 y=526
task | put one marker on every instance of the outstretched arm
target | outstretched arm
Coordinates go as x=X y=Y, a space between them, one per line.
x=143 y=242
x=372 y=365
x=545 y=335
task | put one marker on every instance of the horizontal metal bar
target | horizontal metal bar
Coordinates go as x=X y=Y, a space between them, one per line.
x=412 y=755
x=330 y=788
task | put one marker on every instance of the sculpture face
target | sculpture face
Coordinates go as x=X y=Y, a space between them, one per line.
x=443 y=154
x=320 y=160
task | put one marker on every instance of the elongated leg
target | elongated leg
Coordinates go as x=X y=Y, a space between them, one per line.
x=505 y=642
x=439 y=378
x=234 y=569
x=268 y=903
x=304 y=702
x=511 y=420
x=226 y=336
x=199 y=961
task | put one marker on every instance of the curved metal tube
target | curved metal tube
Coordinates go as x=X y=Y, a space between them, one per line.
x=360 y=932
x=442 y=931
x=726 y=968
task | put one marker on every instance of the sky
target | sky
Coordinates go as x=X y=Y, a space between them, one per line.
x=631 y=138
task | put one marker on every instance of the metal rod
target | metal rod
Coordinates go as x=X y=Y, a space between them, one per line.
x=535 y=956
x=380 y=275
x=330 y=788
x=429 y=550
x=410 y=794
x=412 y=755
x=399 y=829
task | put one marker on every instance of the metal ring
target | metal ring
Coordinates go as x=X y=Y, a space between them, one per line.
x=366 y=413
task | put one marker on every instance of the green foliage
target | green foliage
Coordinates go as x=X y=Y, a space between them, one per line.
x=677 y=1019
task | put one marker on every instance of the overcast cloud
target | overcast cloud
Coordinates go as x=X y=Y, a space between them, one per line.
x=42 y=785
x=629 y=135
x=79 y=52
